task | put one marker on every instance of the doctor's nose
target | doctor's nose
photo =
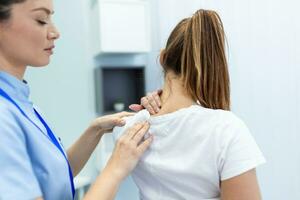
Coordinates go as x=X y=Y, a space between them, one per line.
x=53 y=33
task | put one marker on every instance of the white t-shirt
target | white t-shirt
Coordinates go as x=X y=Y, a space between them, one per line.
x=194 y=149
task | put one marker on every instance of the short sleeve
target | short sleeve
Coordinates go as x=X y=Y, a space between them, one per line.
x=17 y=179
x=139 y=117
x=119 y=131
x=239 y=151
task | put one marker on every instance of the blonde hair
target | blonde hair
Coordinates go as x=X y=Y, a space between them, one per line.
x=195 y=50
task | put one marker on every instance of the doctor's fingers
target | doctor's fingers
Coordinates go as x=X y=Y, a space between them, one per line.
x=142 y=128
x=117 y=119
x=132 y=131
x=144 y=145
x=137 y=138
x=124 y=114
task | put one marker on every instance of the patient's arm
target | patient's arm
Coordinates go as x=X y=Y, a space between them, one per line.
x=242 y=187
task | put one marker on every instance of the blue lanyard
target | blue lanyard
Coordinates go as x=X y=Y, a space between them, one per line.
x=49 y=131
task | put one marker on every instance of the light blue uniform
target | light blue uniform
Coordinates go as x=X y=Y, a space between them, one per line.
x=31 y=165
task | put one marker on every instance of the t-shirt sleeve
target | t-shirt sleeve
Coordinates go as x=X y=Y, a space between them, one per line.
x=17 y=179
x=139 y=117
x=119 y=131
x=239 y=151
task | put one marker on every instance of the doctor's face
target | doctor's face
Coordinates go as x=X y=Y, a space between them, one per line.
x=27 y=37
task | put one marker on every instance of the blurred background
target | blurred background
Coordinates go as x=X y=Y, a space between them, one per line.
x=107 y=58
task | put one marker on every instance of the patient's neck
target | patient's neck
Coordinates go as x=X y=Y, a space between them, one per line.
x=174 y=96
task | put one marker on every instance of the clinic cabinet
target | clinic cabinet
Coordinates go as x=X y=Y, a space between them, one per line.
x=120 y=26
x=118 y=84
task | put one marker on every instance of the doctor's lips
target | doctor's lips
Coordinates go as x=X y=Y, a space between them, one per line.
x=50 y=49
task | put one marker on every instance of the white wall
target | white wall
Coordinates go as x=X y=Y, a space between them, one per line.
x=264 y=60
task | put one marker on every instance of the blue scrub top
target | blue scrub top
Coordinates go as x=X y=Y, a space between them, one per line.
x=31 y=165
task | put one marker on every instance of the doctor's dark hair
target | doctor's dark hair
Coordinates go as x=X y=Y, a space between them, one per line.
x=5 y=8
x=195 y=51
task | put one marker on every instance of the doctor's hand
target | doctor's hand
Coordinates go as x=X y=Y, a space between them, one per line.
x=151 y=102
x=128 y=150
x=106 y=123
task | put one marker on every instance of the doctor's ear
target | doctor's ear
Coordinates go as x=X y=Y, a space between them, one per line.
x=3 y=26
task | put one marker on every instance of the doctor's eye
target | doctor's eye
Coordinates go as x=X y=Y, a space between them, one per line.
x=42 y=23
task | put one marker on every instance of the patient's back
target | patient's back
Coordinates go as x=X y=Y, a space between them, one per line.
x=193 y=150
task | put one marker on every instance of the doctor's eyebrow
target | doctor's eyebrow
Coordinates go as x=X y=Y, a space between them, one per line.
x=46 y=10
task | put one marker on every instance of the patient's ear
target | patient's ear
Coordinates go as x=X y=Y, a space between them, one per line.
x=162 y=57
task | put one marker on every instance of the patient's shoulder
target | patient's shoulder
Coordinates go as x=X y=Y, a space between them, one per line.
x=216 y=114
x=215 y=118
x=140 y=116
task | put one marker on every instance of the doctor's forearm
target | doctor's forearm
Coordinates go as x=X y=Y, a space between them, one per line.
x=81 y=150
x=106 y=185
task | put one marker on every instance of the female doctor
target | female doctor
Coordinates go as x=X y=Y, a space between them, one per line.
x=33 y=163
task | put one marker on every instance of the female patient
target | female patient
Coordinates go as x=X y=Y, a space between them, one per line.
x=201 y=149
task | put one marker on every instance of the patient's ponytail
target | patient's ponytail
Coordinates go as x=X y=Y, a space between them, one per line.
x=195 y=50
